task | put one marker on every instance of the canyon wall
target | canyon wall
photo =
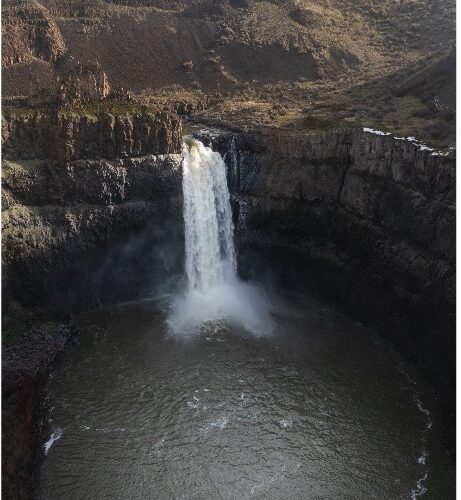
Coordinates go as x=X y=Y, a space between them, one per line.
x=75 y=187
x=362 y=219
x=365 y=220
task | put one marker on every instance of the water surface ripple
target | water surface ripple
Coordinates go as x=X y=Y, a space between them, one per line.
x=322 y=409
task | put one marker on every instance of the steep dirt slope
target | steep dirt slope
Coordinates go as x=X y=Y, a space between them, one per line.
x=29 y=32
x=221 y=45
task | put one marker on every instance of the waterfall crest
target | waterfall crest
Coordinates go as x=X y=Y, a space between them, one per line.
x=214 y=291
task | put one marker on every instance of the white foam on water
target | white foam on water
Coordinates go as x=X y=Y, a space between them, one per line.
x=220 y=423
x=285 y=423
x=54 y=437
x=420 y=489
x=422 y=459
x=194 y=402
x=214 y=291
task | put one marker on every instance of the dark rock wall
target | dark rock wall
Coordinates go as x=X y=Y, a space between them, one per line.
x=56 y=216
x=351 y=198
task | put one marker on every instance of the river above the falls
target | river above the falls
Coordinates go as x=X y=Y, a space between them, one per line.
x=323 y=409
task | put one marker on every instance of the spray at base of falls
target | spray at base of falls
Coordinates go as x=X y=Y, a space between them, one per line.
x=214 y=291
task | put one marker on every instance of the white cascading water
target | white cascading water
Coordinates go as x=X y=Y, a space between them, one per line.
x=214 y=291
x=208 y=227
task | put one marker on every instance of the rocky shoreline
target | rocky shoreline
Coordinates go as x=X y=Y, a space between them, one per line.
x=25 y=368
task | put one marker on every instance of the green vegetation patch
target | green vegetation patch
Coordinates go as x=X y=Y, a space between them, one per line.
x=18 y=112
x=116 y=108
x=89 y=110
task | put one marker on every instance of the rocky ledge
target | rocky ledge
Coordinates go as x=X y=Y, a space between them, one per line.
x=67 y=135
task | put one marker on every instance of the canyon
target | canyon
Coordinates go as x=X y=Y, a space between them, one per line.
x=361 y=218
x=291 y=95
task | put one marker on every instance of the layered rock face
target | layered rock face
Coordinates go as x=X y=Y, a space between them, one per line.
x=55 y=215
x=365 y=219
x=67 y=136
x=85 y=183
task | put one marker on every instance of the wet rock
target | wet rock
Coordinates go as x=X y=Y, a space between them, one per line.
x=25 y=365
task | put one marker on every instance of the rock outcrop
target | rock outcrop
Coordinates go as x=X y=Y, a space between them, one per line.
x=84 y=83
x=72 y=183
x=28 y=31
x=25 y=367
x=66 y=136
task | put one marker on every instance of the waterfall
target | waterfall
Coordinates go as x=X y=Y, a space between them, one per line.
x=213 y=291
x=209 y=231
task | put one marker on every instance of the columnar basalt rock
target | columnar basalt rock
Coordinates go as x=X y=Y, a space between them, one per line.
x=83 y=83
x=67 y=136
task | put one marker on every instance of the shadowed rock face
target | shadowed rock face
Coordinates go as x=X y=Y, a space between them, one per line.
x=387 y=186
x=55 y=214
x=24 y=373
x=366 y=220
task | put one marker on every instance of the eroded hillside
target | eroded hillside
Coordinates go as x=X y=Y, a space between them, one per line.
x=297 y=63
